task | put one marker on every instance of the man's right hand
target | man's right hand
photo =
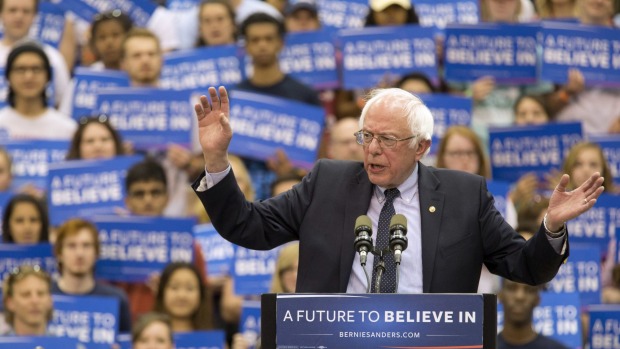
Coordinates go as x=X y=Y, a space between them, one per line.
x=214 y=130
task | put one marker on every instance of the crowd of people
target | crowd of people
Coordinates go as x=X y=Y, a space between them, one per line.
x=184 y=297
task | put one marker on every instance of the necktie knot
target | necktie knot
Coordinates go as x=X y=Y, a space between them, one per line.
x=391 y=194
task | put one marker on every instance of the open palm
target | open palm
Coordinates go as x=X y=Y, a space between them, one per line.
x=214 y=130
x=565 y=205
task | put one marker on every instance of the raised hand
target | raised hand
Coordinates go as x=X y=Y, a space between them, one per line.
x=566 y=205
x=214 y=130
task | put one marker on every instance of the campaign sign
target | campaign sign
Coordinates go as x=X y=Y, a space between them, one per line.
x=219 y=253
x=44 y=342
x=581 y=273
x=199 y=340
x=91 y=320
x=31 y=160
x=598 y=224
x=14 y=255
x=311 y=58
x=86 y=9
x=558 y=316
x=253 y=270
x=262 y=124
x=133 y=248
x=181 y=5
x=500 y=190
x=517 y=150
x=140 y=11
x=435 y=13
x=4 y=89
x=341 y=14
x=5 y=196
x=370 y=54
x=88 y=83
x=594 y=50
x=611 y=149
x=379 y=321
x=49 y=24
x=250 y=322
x=149 y=118
x=200 y=68
x=507 y=52
x=604 y=326
x=81 y=188
x=447 y=111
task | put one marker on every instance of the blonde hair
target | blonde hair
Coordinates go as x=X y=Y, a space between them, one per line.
x=289 y=254
x=485 y=14
x=571 y=160
x=17 y=275
x=545 y=9
x=483 y=168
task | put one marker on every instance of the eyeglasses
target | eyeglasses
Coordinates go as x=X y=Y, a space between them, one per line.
x=365 y=138
x=461 y=154
x=22 y=70
x=140 y=194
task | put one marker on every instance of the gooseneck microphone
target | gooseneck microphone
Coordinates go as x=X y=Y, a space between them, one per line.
x=363 y=237
x=398 y=236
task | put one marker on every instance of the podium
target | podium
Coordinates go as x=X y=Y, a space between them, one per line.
x=330 y=321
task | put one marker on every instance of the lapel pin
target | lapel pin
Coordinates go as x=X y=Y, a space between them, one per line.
x=431 y=209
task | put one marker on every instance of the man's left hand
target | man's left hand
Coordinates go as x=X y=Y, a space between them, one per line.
x=565 y=205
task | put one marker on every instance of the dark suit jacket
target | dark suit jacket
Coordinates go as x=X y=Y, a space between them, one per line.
x=464 y=231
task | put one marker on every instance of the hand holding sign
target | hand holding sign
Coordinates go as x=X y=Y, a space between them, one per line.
x=214 y=131
x=566 y=205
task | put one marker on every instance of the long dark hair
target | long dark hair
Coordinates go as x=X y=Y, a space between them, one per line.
x=74 y=148
x=202 y=317
x=27 y=47
x=7 y=235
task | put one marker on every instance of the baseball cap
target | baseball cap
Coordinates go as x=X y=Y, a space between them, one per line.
x=302 y=5
x=380 y=5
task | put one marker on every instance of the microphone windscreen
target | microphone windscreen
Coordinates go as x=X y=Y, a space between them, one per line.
x=399 y=219
x=363 y=223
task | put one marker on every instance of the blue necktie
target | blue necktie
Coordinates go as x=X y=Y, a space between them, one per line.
x=388 y=279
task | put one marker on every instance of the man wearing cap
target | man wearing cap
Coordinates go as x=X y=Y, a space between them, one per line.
x=391 y=12
x=302 y=16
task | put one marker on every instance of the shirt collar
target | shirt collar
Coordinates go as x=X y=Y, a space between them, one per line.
x=408 y=189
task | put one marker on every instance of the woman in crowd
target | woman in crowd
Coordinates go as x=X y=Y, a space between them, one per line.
x=556 y=9
x=582 y=160
x=183 y=296
x=460 y=149
x=216 y=23
x=152 y=331
x=95 y=138
x=25 y=221
x=531 y=110
x=388 y=13
x=285 y=275
x=27 y=116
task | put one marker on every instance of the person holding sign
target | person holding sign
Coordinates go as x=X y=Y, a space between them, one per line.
x=453 y=225
x=27 y=301
x=152 y=330
x=25 y=221
x=519 y=301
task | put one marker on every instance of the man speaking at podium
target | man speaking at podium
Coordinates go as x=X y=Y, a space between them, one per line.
x=453 y=224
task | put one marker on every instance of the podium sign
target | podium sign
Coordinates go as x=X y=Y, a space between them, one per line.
x=378 y=320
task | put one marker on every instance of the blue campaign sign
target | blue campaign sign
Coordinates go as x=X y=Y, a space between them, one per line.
x=435 y=13
x=14 y=255
x=4 y=89
x=594 y=50
x=379 y=321
x=311 y=58
x=181 y=5
x=249 y=324
x=500 y=190
x=604 y=327
x=91 y=320
x=369 y=54
x=200 y=68
x=557 y=316
x=342 y=14
x=447 y=111
x=133 y=248
x=262 y=124
x=81 y=188
x=88 y=83
x=31 y=160
x=598 y=224
x=5 y=196
x=199 y=340
x=23 y=342
x=611 y=149
x=253 y=270
x=506 y=52
x=517 y=150
x=86 y=9
x=140 y=11
x=149 y=118
x=581 y=273
x=219 y=253
x=49 y=24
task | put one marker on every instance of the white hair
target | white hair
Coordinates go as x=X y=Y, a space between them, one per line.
x=419 y=117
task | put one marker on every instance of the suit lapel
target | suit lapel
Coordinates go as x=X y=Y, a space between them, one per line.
x=359 y=191
x=431 y=213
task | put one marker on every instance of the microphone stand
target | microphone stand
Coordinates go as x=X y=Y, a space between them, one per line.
x=379 y=269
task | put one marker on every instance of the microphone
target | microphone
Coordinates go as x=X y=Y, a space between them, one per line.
x=398 y=236
x=363 y=240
